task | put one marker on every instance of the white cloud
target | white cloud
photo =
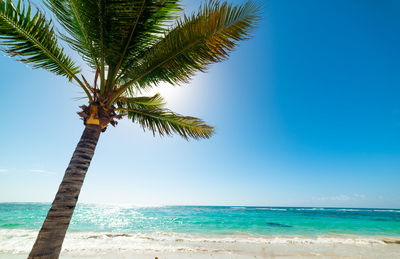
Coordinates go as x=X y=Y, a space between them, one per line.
x=361 y=196
x=340 y=197
x=40 y=171
x=3 y=170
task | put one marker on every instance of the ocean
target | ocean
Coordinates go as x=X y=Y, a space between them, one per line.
x=170 y=228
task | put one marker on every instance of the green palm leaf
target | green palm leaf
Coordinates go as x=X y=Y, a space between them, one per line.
x=139 y=28
x=111 y=33
x=81 y=21
x=32 y=38
x=196 y=42
x=148 y=112
x=152 y=101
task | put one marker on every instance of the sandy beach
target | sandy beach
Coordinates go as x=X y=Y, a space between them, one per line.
x=180 y=246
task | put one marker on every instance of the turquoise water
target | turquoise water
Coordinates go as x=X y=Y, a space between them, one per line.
x=211 y=220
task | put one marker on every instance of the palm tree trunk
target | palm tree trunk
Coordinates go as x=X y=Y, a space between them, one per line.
x=51 y=236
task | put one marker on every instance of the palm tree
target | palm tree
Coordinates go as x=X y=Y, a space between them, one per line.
x=131 y=46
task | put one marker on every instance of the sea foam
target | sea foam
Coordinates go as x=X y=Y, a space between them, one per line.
x=21 y=241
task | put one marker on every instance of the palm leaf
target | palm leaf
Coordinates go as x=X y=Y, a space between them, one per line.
x=148 y=112
x=195 y=43
x=32 y=38
x=109 y=33
x=79 y=20
x=139 y=27
x=145 y=101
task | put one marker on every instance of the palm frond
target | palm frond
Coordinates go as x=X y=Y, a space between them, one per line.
x=32 y=38
x=195 y=43
x=148 y=113
x=80 y=19
x=145 y=101
x=139 y=26
x=112 y=31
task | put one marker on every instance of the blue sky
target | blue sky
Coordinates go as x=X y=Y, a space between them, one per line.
x=307 y=113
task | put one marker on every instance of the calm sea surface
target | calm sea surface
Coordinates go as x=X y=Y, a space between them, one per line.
x=211 y=220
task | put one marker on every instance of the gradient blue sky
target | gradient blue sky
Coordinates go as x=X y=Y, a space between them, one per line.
x=307 y=113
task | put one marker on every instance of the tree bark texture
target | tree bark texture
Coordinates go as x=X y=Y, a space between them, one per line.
x=51 y=236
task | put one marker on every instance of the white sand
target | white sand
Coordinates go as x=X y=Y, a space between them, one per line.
x=16 y=244
x=269 y=251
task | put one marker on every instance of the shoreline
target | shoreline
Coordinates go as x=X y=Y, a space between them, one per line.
x=16 y=244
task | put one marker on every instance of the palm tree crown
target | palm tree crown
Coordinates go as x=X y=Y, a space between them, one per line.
x=131 y=45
